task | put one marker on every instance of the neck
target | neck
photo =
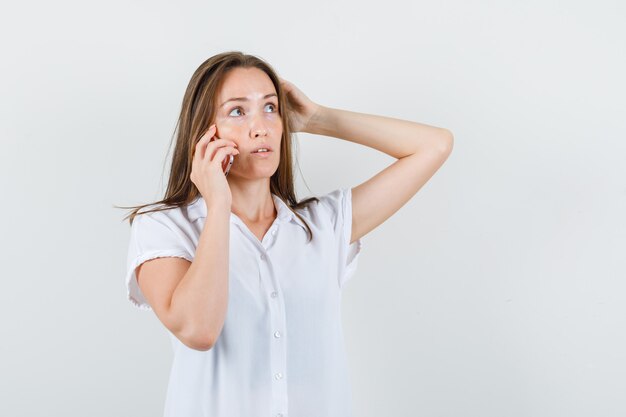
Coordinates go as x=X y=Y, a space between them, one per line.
x=253 y=203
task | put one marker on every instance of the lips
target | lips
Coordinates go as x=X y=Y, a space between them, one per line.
x=269 y=149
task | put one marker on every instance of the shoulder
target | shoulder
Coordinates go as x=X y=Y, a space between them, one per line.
x=330 y=207
x=167 y=230
x=160 y=215
x=332 y=202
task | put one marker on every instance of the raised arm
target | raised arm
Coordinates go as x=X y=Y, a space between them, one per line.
x=420 y=149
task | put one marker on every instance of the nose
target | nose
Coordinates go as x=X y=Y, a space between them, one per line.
x=258 y=127
x=260 y=132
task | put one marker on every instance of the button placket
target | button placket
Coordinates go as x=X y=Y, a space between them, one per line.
x=278 y=351
x=270 y=236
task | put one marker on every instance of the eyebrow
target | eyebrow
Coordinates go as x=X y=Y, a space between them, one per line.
x=246 y=99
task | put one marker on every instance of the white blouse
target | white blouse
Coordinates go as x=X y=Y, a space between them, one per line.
x=281 y=350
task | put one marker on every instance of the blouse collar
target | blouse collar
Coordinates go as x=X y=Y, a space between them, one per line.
x=197 y=209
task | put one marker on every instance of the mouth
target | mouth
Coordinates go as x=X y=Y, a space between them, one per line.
x=262 y=150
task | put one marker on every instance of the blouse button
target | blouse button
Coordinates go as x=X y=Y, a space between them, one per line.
x=277 y=335
x=278 y=376
x=279 y=415
x=263 y=256
x=274 y=294
x=274 y=231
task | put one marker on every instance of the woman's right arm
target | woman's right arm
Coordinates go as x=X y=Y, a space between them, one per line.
x=191 y=298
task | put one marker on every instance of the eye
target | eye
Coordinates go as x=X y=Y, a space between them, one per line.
x=236 y=108
x=239 y=108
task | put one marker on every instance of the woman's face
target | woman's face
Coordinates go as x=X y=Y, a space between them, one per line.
x=251 y=120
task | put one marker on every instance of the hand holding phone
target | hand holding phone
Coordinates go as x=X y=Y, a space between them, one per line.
x=212 y=157
x=227 y=162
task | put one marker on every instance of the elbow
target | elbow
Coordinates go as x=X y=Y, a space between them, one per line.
x=201 y=345
x=447 y=143
x=197 y=340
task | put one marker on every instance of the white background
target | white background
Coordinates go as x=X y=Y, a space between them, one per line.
x=498 y=290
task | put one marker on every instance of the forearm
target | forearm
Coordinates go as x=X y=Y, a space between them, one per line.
x=200 y=300
x=395 y=137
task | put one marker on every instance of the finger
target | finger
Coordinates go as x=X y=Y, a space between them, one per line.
x=222 y=153
x=201 y=144
x=208 y=134
x=215 y=144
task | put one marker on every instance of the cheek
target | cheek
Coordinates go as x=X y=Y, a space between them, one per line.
x=226 y=128
x=225 y=120
x=278 y=127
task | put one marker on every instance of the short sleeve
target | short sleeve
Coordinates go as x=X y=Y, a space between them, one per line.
x=153 y=235
x=339 y=205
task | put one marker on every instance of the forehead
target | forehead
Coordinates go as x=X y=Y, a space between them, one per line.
x=245 y=82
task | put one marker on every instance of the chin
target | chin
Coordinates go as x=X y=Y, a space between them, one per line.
x=257 y=174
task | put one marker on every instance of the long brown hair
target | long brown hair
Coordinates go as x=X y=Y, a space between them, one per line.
x=197 y=114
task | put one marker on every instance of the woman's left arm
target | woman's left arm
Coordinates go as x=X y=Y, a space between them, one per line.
x=420 y=149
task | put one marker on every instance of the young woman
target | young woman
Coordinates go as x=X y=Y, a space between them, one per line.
x=246 y=279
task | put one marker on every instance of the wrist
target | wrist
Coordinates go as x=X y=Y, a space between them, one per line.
x=317 y=121
x=218 y=208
